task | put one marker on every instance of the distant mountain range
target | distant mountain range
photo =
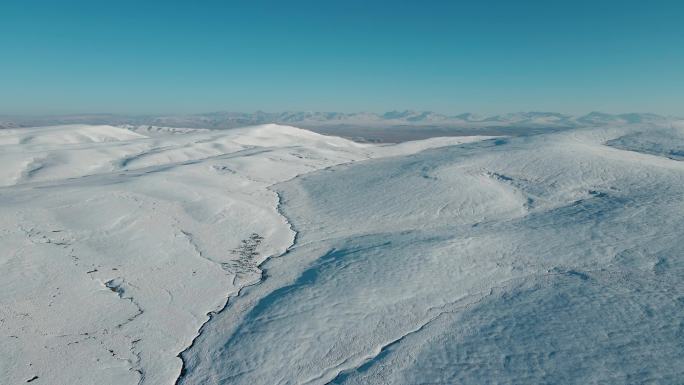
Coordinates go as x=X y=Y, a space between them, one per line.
x=361 y=119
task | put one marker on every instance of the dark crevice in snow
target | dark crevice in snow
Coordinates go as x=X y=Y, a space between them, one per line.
x=135 y=366
x=117 y=285
x=191 y=240
x=263 y=275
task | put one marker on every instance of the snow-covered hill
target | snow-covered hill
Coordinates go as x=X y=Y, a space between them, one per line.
x=118 y=242
x=553 y=258
x=546 y=258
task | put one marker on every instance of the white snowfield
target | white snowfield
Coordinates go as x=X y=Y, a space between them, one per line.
x=552 y=258
x=116 y=243
x=546 y=259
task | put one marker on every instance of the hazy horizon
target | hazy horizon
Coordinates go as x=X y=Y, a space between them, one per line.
x=346 y=112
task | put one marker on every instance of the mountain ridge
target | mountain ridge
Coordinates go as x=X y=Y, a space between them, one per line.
x=227 y=119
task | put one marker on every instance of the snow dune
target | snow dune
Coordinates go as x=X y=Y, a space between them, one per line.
x=118 y=242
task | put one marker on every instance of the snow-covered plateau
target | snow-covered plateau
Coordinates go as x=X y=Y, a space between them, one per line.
x=274 y=255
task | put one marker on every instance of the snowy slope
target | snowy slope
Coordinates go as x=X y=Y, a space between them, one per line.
x=118 y=242
x=551 y=258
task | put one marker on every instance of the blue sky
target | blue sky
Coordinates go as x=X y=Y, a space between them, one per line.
x=447 y=56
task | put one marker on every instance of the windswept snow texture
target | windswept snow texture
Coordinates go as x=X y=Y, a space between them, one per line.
x=554 y=258
x=116 y=244
x=667 y=143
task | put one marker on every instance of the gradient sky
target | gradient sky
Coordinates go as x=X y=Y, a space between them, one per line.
x=481 y=56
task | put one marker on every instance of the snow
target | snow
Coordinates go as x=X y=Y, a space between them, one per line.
x=61 y=135
x=551 y=258
x=272 y=254
x=118 y=242
x=668 y=143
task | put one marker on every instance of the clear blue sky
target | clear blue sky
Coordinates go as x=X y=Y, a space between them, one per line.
x=454 y=56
